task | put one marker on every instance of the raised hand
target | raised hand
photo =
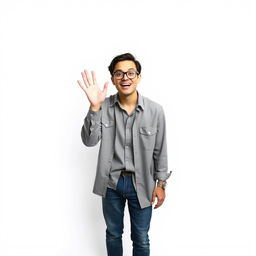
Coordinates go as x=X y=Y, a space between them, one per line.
x=94 y=94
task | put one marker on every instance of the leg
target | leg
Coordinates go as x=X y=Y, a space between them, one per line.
x=140 y=223
x=113 y=210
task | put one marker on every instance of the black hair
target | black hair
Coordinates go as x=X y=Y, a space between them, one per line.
x=122 y=57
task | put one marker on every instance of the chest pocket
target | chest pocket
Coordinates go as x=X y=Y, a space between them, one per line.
x=147 y=137
x=108 y=130
x=108 y=124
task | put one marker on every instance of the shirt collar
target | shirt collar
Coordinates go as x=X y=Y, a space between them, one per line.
x=140 y=103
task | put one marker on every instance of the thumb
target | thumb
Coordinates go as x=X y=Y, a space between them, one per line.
x=105 y=88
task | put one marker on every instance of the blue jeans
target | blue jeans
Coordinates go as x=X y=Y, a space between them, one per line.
x=113 y=210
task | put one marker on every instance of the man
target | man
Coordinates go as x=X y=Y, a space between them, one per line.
x=132 y=160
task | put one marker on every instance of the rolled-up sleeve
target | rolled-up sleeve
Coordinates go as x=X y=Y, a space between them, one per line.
x=160 y=149
x=91 y=129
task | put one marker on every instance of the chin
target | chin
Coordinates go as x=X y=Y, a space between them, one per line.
x=126 y=92
x=129 y=91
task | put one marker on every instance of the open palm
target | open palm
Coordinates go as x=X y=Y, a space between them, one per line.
x=94 y=94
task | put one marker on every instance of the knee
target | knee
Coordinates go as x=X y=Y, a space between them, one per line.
x=140 y=240
x=112 y=234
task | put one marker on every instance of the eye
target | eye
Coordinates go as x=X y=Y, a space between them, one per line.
x=118 y=74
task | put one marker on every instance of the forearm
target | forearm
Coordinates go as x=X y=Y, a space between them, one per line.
x=160 y=150
x=91 y=129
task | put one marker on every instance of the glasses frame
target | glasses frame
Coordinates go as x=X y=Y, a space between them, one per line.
x=125 y=73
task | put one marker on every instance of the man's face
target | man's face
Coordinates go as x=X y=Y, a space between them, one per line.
x=125 y=85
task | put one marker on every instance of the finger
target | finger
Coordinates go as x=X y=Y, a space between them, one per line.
x=156 y=206
x=160 y=200
x=94 y=77
x=88 y=77
x=81 y=85
x=85 y=79
x=153 y=198
x=105 y=88
x=159 y=203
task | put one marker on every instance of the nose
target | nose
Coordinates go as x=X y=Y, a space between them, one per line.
x=125 y=77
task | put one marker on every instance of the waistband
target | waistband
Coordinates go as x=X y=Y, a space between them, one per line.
x=126 y=173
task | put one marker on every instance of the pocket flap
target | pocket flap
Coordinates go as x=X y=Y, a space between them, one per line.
x=148 y=130
x=108 y=123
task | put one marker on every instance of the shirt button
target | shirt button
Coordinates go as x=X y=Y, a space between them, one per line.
x=106 y=125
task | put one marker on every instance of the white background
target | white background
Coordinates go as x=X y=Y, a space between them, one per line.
x=198 y=61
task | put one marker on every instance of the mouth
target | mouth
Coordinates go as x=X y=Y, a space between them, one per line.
x=125 y=85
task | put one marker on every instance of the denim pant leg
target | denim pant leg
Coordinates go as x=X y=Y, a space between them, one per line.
x=113 y=210
x=140 y=224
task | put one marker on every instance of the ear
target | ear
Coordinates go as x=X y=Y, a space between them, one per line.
x=112 y=79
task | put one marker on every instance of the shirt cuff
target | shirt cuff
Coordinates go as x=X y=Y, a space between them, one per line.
x=162 y=176
x=94 y=115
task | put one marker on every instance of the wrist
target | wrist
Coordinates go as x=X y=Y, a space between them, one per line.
x=95 y=108
x=161 y=183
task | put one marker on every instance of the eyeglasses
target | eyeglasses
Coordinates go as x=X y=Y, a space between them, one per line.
x=130 y=74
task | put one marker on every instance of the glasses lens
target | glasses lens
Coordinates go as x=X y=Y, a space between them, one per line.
x=118 y=74
x=131 y=74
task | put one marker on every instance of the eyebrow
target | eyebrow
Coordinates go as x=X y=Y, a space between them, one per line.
x=124 y=71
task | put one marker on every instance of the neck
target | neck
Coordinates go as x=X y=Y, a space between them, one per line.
x=128 y=100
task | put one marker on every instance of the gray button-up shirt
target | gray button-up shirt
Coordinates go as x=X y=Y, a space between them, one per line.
x=148 y=140
x=123 y=149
